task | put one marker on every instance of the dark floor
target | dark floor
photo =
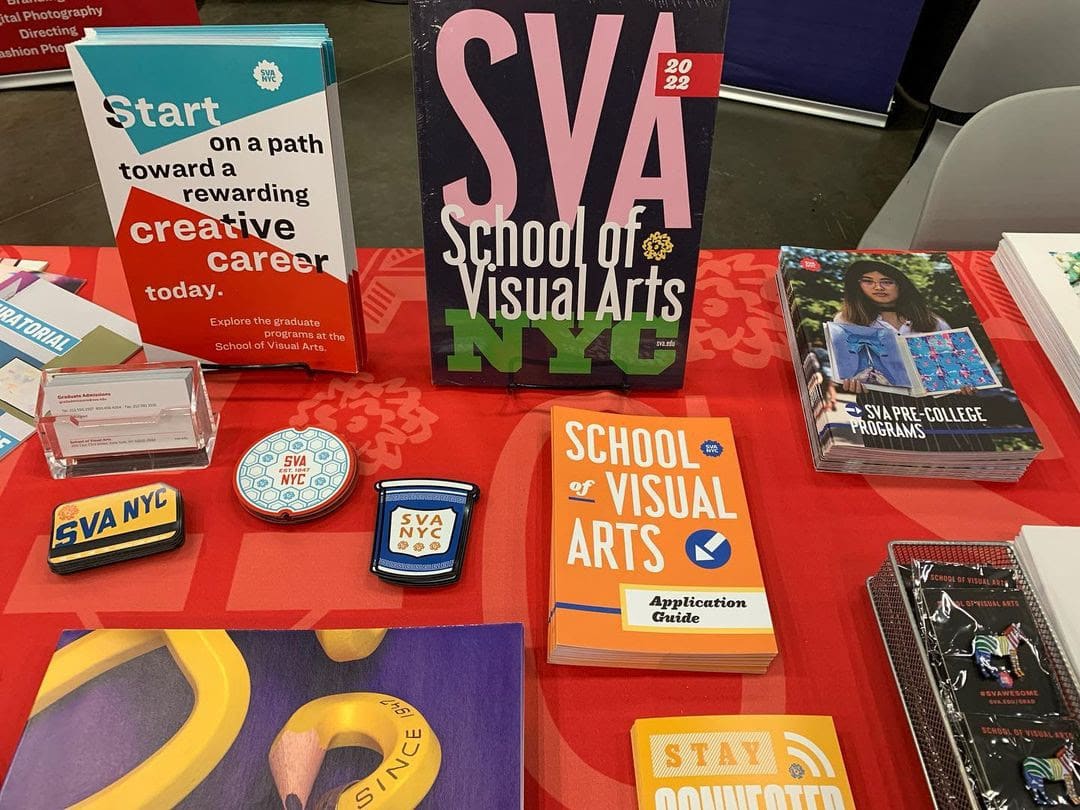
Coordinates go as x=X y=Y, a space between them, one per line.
x=777 y=177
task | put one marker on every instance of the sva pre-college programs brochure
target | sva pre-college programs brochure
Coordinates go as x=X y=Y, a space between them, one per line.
x=220 y=155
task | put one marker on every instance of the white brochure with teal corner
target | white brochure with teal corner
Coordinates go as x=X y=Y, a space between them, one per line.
x=220 y=155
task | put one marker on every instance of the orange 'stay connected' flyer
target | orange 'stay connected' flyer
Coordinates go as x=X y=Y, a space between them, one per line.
x=740 y=761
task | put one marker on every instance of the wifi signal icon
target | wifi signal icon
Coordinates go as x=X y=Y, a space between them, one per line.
x=808 y=752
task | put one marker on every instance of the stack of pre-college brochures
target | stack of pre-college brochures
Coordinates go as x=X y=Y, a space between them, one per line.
x=222 y=161
x=895 y=371
x=1042 y=271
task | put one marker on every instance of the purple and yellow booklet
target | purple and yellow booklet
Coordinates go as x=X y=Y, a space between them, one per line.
x=426 y=717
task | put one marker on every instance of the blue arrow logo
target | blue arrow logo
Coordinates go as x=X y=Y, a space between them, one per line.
x=707 y=548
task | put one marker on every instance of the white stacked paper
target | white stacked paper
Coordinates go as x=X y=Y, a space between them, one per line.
x=1042 y=271
x=1050 y=556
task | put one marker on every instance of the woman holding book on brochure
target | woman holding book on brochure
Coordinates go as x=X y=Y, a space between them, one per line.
x=879 y=295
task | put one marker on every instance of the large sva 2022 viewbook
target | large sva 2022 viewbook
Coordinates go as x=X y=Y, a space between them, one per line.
x=564 y=158
x=221 y=156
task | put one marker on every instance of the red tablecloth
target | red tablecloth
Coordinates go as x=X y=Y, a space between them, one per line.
x=819 y=535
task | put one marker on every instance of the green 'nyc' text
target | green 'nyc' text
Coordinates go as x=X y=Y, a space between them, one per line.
x=475 y=339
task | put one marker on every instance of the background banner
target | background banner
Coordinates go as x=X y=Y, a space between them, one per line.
x=33 y=33
x=843 y=52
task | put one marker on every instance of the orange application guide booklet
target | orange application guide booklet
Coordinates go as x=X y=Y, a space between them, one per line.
x=740 y=762
x=653 y=558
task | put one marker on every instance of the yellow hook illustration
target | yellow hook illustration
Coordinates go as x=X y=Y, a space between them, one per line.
x=219 y=680
x=411 y=754
x=349 y=645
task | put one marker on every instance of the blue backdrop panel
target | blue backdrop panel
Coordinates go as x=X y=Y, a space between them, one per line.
x=846 y=52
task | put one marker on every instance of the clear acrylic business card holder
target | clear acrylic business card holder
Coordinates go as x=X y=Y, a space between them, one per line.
x=102 y=420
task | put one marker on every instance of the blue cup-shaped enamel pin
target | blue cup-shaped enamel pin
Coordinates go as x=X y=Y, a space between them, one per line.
x=421 y=530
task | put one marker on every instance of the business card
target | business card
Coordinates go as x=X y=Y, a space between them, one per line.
x=138 y=413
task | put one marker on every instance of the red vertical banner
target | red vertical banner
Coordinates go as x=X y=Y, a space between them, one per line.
x=33 y=33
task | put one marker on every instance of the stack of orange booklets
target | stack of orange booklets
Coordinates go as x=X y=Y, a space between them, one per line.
x=653 y=560
x=736 y=762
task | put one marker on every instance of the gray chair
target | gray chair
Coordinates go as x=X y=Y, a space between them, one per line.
x=1006 y=48
x=1013 y=167
x=1010 y=47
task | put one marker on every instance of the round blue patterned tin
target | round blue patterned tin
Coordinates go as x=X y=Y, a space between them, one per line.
x=293 y=475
